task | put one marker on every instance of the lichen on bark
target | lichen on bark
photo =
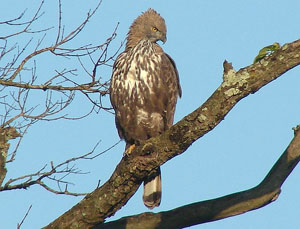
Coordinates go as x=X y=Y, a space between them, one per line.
x=6 y=134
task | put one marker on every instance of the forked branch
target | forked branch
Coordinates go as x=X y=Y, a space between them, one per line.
x=211 y=210
x=51 y=172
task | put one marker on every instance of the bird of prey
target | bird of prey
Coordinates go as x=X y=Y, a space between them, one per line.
x=144 y=90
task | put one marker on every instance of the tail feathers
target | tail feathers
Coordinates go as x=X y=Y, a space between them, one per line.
x=152 y=190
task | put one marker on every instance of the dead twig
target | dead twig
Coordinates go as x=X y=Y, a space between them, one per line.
x=25 y=216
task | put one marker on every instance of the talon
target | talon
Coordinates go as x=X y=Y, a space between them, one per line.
x=129 y=150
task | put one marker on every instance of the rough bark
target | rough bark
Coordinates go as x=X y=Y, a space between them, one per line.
x=234 y=204
x=6 y=134
x=130 y=172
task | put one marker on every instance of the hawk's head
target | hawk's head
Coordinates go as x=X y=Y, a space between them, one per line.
x=150 y=25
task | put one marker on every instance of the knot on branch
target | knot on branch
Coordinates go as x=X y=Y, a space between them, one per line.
x=227 y=67
x=296 y=129
x=7 y=134
x=148 y=148
x=234 y=81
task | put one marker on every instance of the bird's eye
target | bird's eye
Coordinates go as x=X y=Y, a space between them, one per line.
x=154 y=29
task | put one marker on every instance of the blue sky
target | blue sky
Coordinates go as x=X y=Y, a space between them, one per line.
x=233 y=157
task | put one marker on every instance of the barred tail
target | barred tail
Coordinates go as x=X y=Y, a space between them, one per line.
x=152 y=190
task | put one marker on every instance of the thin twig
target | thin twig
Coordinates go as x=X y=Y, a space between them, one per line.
x=22 y=221
x=63 y=169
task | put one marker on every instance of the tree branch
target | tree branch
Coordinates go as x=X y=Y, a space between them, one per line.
x=89 y=87
x=131 y=171
x=25 y=216
x=211 y=210
x=19 y=78
x=56 y=173
x=6 y=134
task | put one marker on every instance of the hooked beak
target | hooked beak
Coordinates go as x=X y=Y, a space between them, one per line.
x=164 y=38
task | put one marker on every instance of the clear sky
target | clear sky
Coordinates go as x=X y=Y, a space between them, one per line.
x=235 y=156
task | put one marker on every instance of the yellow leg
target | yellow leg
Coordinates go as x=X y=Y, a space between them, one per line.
x=129 y=150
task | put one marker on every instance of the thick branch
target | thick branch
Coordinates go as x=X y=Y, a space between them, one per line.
x=6 y=134
x=206 y=211
x=130 y=172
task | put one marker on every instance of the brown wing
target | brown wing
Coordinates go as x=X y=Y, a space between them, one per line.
x=119 y=95
x=170 y=73
x=166 y=97
x=177 y=75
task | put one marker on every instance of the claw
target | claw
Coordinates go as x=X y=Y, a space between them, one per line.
x=129 y=150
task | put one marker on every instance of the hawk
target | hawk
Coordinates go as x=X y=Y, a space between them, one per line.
x=144 y=90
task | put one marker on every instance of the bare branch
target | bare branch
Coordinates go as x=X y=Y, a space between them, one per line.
x=65 y=192
x=97 y=155
x=62 y=83
x=14 y=152
x=231 y=205
x=6 y=134
x=103 y=57
x=83 y=87
x=60 y=39
x=28 y=24
x=36 y=178
x=63 y=169
x=22 y=221
x=145 y=158
x=11 y=21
